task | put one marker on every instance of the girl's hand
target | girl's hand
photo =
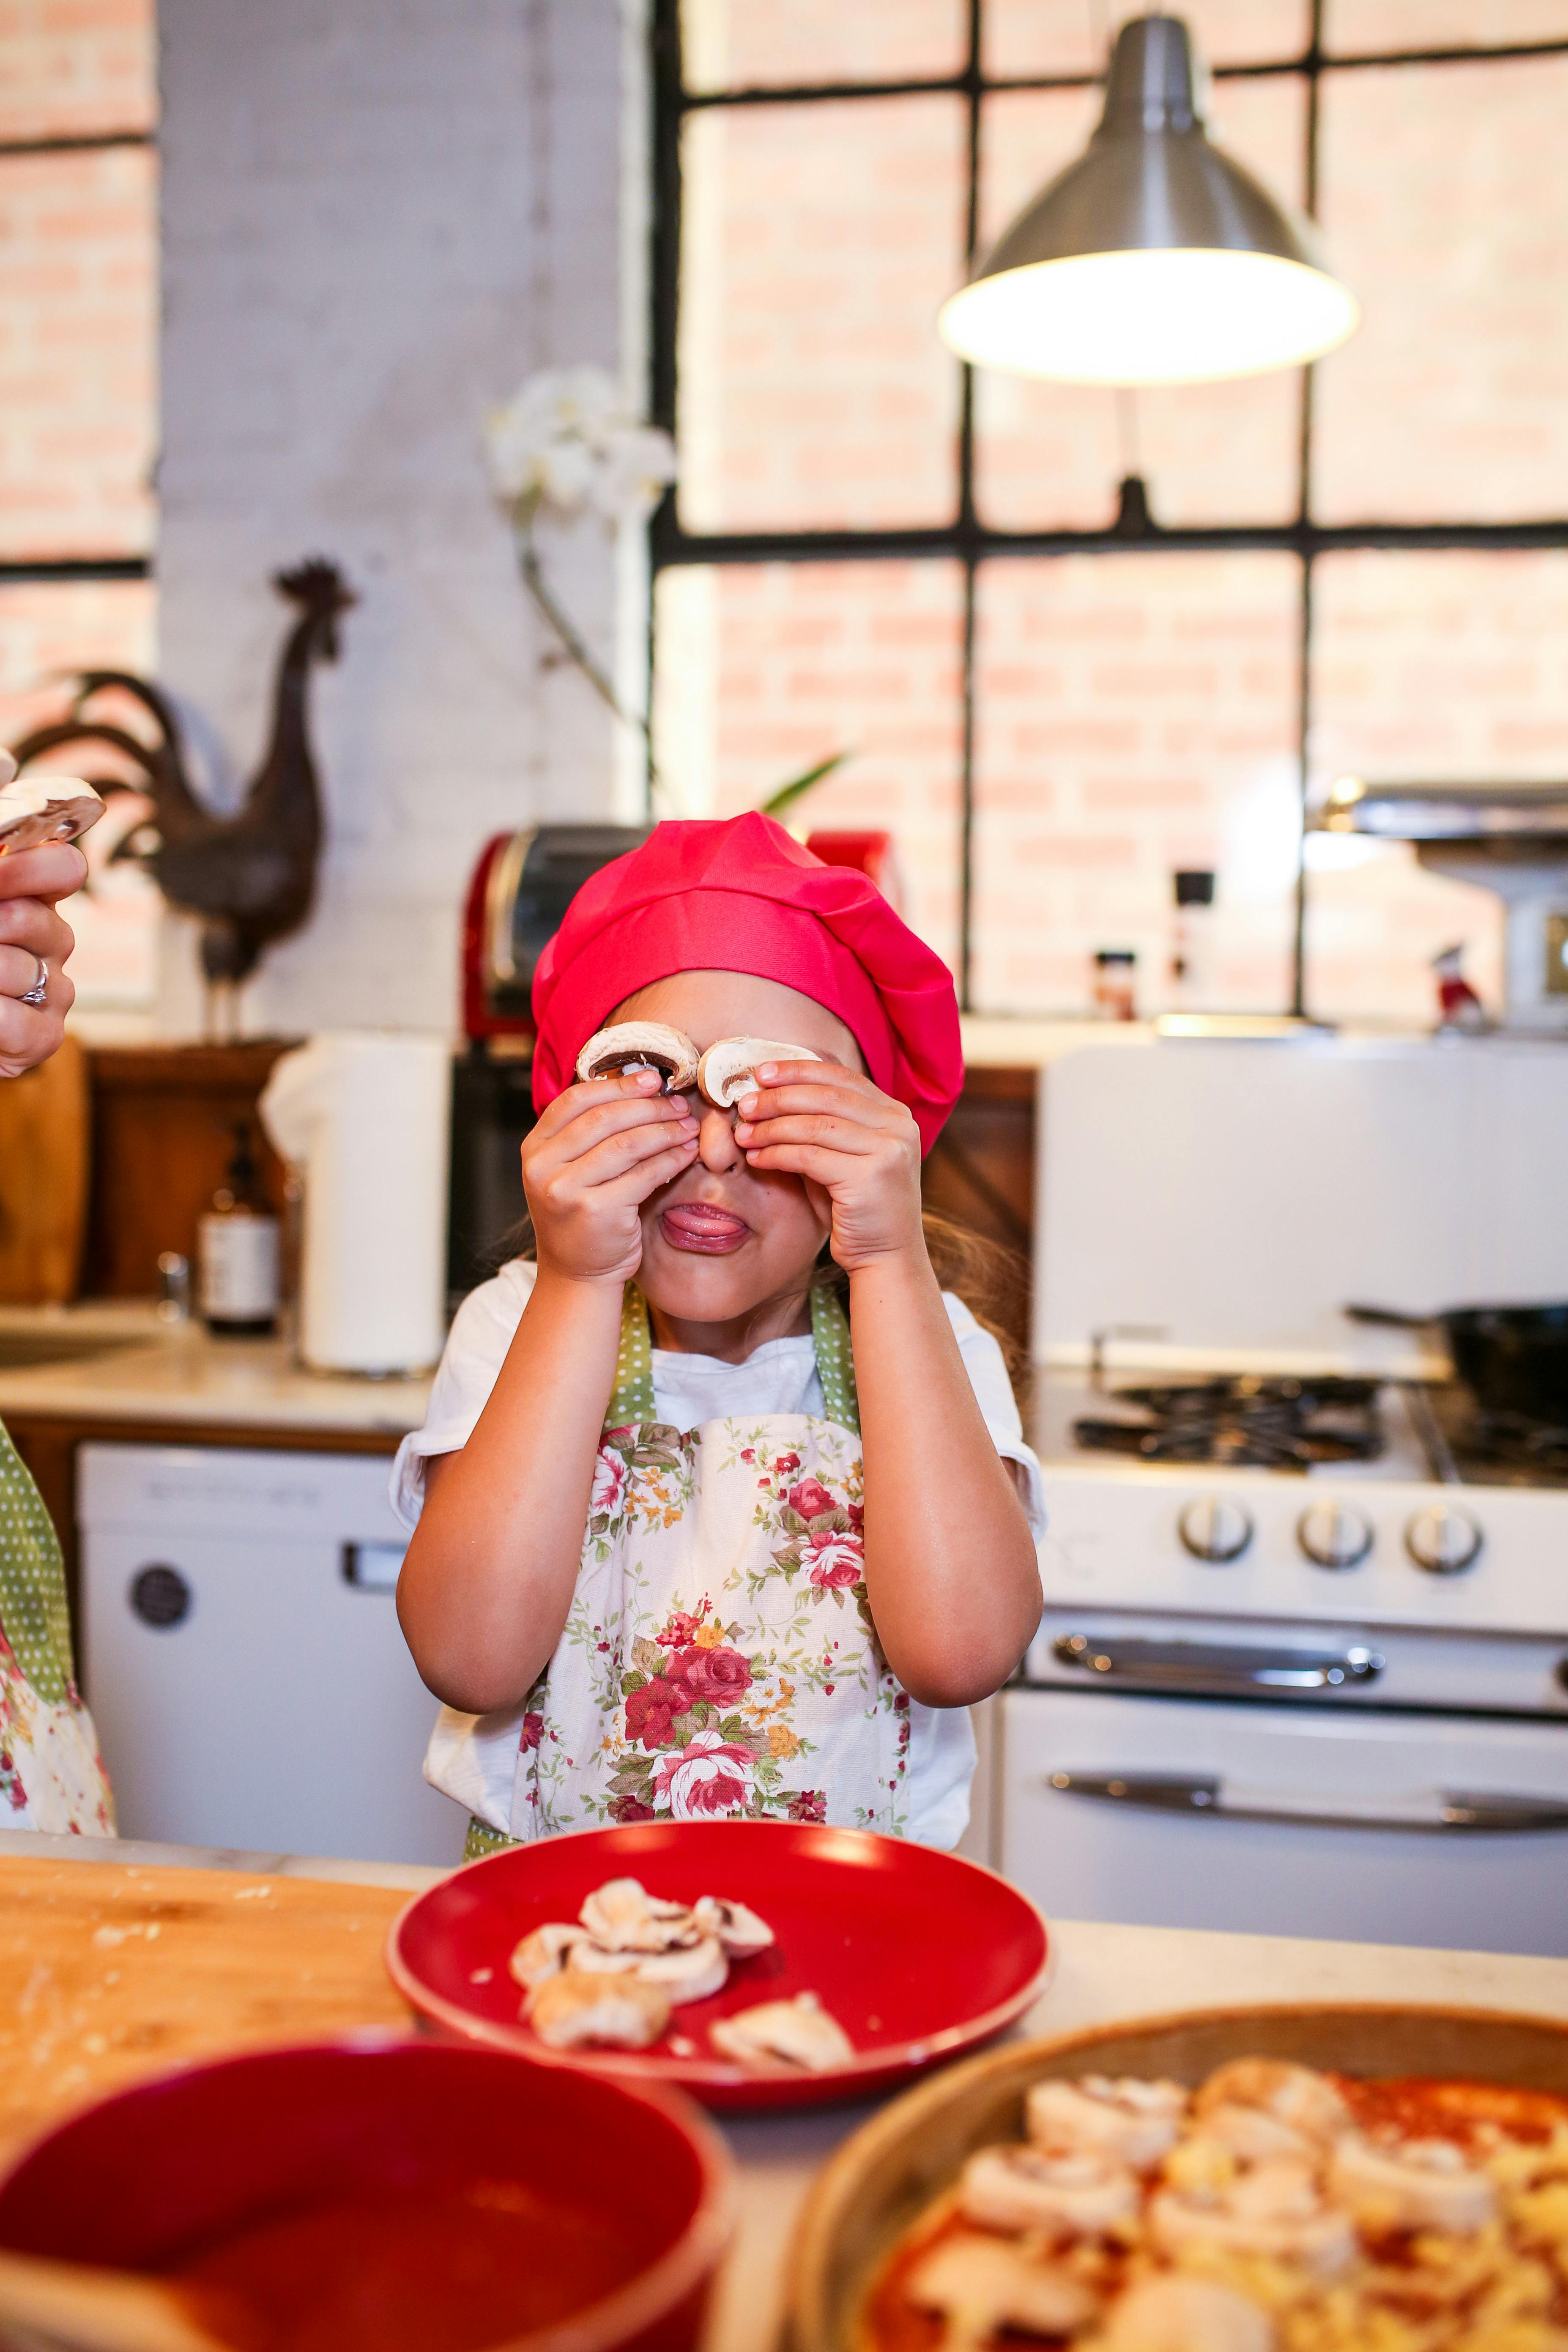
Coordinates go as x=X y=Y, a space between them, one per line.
x=858 y=1152
x=31 y=880
x=597 y=1153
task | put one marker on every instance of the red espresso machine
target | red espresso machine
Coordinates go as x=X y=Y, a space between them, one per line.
x=520 y=888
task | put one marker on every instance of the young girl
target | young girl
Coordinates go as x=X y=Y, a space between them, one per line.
x=682 y=1550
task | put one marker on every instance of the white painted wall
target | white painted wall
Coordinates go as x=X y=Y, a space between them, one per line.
x=378 y=216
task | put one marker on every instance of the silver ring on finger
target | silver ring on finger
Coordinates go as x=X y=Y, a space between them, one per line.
x=39 y=992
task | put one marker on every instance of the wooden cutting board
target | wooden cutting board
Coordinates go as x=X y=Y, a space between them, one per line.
x=108 y=1971
x=43 y=1164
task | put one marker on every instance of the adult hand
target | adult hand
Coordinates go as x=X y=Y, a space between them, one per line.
x=31 y=932
x=597 y=1152
x=857 y=1149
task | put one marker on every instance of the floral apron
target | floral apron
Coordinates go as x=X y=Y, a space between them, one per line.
x=51 y=1775
x=720 y=1658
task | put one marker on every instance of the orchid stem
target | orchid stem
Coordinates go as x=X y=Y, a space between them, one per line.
x=561 y=621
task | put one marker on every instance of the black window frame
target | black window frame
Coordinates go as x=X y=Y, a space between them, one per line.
x=965 y=540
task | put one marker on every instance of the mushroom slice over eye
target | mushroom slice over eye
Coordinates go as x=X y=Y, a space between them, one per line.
x=1132 y=2121
x=640 y=1045
x=622 y=1917
x=1065 y=2196
x=739 y=1931
x=545 y=1951
x=981 y=2285
x=1425 y=2185
x=1175 y=2314
x=730 y=1067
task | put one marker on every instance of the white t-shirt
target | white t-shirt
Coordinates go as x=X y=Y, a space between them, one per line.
x=778 y=1378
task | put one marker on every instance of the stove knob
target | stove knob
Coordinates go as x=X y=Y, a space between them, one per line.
x=1442 y=1540
x=1333 y=1536
x=1214 y=1528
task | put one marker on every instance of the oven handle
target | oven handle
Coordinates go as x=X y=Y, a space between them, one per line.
x=1206 y=1666
x=1435 y=1809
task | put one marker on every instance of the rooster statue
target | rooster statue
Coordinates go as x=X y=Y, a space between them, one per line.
x=248 y=877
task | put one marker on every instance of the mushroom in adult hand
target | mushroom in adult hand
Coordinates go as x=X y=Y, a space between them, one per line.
x=728 y=1069
x=640 y=1045
x=36 y=809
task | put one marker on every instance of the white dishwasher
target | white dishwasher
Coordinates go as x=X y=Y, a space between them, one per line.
x=242 y=1655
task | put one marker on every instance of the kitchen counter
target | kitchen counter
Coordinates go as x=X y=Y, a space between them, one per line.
x=118 y=1958
x=176 y=1374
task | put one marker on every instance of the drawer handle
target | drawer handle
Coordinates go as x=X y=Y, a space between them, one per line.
x=1205 y=1666
x=1435 y=1809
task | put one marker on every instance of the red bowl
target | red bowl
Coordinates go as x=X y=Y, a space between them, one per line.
x=918 y=1954
x=197 y=2160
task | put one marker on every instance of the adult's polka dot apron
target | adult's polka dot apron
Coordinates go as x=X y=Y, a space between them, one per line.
x=719 y=1660
x=51 y=1775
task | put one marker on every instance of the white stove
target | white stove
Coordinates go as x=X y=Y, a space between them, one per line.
x=1329 y=1697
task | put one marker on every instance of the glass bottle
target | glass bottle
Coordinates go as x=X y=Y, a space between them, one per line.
x=238 y=1250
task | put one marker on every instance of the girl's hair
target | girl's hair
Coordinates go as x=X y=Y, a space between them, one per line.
x=989 y=1277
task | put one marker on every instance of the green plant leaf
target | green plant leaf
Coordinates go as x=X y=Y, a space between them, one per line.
x=798 y=786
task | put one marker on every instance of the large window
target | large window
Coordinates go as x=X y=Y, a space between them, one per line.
x=873 y=550
x=78 y=400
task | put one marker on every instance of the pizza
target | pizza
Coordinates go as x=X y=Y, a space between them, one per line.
x=1274 y=2208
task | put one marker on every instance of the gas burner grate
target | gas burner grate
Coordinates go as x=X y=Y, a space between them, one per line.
x=1517 y=1448
x=1248 y=1422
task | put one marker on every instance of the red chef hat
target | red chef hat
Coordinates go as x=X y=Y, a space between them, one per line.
x=740 y=894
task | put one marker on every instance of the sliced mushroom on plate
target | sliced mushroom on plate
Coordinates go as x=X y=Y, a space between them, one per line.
x=574 y=2010
x=799 y=2032
x=641 y=1045
x=729 y=1068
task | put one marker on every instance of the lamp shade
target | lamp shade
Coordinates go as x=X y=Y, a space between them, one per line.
x=1155 y=258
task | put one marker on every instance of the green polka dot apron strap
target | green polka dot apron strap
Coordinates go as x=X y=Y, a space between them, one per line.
x=51 y=1775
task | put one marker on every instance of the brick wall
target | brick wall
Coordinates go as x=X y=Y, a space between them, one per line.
x=377 y=219
x=1134 y=713
x=78 y=399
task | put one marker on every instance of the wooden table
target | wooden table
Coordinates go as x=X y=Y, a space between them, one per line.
x=111 y=1969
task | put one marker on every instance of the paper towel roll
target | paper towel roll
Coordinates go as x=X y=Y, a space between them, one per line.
x=367 y=1117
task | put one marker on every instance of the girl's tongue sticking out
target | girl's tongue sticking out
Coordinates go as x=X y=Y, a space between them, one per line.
x=703 y=1227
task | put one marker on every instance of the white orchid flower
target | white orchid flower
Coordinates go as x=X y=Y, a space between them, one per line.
x=565 y=445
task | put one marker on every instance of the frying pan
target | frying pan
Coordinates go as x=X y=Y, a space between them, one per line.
x=1511 y=1358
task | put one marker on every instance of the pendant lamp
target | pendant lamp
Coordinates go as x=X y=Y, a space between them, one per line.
x=1155 y=258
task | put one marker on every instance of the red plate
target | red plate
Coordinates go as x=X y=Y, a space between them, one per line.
x=918 y=1955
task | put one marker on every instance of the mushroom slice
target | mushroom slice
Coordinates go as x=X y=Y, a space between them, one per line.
x=1134 y=2121
x=1253 y=2135
x=799 y=2031
x=1293 y=2096
x=740 y=1931
x=1065 y=2196
x=1275 y=2211
x=572 y=2010
x=1177 y=2314
x=545 y=1951
x=682 y=1974
x=35 y=809
x=1422 y=2185
x=981 y=2285
x=640 y=1045
x=622 y=1917
x=729 y=1068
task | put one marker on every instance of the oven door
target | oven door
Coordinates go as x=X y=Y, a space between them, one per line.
x=1290 y=1820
